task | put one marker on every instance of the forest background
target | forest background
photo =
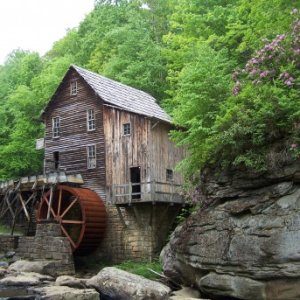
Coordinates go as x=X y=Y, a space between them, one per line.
x=226 y=70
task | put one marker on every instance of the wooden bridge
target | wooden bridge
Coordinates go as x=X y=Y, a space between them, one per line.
x=19 y=198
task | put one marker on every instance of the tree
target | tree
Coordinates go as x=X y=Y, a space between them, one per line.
x=203 y=87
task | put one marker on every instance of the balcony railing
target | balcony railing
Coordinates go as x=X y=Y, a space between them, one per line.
x=152 y=191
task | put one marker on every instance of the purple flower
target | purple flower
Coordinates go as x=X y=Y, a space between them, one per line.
x=294 y=146
x=236 y=88
x=264 y=74
x=284 y=75
x=297 y=51
x=253 y=72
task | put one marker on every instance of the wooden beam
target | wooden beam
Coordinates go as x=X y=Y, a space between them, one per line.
x=24 y=206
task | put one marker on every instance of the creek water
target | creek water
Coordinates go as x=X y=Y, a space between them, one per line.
x=8 y=292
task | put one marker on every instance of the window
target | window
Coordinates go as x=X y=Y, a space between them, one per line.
x=126 y=129
x=73 y=88
x=91 y=124
x=169 y=175
x=55 y=127
x=91 y=157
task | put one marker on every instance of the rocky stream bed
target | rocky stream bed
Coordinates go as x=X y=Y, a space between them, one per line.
x=30 y=280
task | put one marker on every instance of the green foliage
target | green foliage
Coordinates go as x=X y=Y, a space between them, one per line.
x=202 y=88
x=185 y=49
x=4 y=230
x=141 y=268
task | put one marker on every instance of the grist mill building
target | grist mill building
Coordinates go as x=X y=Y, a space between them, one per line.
x=115 y=138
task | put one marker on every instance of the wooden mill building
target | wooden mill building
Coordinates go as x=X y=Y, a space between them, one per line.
x=116 y=137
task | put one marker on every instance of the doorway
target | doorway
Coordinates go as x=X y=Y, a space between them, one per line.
x=135 y=179
x=56 y=160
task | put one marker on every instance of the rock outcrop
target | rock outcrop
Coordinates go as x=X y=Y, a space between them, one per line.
x=245 y=242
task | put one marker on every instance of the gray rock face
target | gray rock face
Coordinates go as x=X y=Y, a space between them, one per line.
x=119 y=284
x=246 y=242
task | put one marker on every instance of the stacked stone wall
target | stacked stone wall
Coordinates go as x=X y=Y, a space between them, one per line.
x=48 y=244
x=8 y=243
x=137 y=232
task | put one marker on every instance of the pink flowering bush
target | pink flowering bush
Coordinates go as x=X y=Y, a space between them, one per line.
x=278 y=60
x=264 y=109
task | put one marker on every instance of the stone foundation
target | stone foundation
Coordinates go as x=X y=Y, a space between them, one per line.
x=8 y=243
x=137 y=232
x=47 y=244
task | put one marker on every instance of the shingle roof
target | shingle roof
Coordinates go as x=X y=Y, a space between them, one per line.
x=123 y=96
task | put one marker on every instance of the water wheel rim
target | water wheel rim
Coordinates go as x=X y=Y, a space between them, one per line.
x=58 y=215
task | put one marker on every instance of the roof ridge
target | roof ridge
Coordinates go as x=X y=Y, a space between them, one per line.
x=124 y=96
x=113 y=80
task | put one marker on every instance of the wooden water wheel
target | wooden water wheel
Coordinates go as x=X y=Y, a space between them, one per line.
x=80 y=213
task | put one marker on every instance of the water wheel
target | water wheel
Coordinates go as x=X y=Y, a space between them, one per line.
x=80 y=213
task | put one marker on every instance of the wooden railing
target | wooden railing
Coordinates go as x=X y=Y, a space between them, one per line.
x=152 y=191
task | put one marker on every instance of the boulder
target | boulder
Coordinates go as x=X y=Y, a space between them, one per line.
x=48 y=267
x=66 y=293
x=10 y=254
x=4 y=264
x=186 y=293
x=118 y=284
x=71 y=281
x=245 y=241
x=22 y=279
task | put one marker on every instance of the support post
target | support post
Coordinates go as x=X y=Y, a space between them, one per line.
x=130 y=192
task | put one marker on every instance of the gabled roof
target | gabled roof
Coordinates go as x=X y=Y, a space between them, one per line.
x=122 y=96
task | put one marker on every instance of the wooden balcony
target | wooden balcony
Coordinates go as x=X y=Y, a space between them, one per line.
x=152 y=191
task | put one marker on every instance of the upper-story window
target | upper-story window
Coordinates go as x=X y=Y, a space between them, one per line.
x=55 y=127
x=91 y=156
x=126 y=129
x=91 y=120
x=73 y=88
x=169 y=175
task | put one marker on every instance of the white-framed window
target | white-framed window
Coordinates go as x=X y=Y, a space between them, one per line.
x=169 y=175
x=55 y=127
x=126 y=129
x=91 y=156
x=91 y=120
x=73 y=88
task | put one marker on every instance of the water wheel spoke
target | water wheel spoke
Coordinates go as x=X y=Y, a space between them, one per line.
x=51 y=209
x=72 y=222
x=68 y=236
x=69 y=207
x=59 y=201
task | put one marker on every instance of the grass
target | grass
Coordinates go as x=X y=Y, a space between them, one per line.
x=141 y=268
x=91 y=265
x=5 y=230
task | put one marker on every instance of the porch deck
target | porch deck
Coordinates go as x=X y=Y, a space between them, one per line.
x=151 y=191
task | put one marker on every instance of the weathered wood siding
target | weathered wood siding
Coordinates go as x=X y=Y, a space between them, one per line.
x=124 y=152
x=164 y=153
x=74 y=137
x=147 y=147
